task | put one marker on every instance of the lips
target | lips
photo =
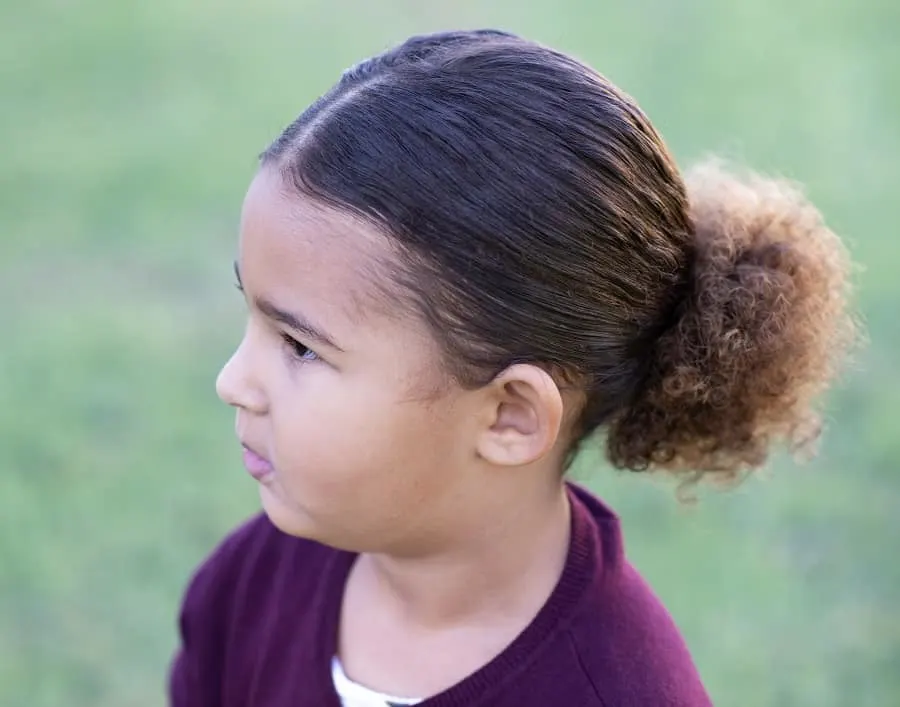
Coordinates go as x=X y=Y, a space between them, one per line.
x=258 y=466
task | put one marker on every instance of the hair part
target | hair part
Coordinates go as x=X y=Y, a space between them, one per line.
x=537 y=217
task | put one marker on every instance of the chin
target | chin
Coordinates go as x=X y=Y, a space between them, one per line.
x=287 y=518
x=292 y=519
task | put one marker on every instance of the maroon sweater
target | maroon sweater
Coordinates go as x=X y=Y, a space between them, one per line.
x=259 y=629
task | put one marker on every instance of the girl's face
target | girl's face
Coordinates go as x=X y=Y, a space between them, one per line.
x=329 y=387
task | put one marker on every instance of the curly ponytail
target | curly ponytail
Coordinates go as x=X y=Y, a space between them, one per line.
x=760 y=334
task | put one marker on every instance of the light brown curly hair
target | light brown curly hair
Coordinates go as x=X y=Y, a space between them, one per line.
x=762 y=330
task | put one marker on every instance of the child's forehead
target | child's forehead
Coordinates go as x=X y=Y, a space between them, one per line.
x=295 y=247
x=301 y=223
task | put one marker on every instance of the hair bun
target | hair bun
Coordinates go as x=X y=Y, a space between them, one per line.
x=761 y=331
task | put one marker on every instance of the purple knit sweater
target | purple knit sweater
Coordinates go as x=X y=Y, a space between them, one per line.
x=259 y=629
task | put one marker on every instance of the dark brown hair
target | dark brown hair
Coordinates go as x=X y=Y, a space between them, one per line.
x=539 y=217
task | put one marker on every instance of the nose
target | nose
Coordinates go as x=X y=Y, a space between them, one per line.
x=235 y=385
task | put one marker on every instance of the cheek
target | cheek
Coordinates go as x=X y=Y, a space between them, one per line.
x=346 y=445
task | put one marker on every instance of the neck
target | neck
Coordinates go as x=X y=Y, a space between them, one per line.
x=504 y=565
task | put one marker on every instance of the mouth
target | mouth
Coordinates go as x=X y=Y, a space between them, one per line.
x=257 y=465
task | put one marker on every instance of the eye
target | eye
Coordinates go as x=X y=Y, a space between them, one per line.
x=298 y=350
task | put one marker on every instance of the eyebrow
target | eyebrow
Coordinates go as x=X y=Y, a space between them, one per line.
x=296 y=322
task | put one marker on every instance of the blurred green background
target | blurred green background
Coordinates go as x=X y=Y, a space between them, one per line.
x=129 y=132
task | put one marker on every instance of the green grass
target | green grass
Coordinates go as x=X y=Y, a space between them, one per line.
x=129 y=134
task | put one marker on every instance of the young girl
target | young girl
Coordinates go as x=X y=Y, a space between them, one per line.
x=461 y=262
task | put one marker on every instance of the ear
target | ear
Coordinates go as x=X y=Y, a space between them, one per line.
x=525 y=415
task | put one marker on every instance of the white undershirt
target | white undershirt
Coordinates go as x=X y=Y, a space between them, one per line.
x=355 y=695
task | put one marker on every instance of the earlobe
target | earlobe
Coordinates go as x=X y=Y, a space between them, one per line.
x=526 y=416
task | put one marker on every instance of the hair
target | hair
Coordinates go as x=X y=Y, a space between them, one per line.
x=538 y=217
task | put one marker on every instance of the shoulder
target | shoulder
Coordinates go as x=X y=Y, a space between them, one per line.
x=626 y=642
x=254 y=575
x=254 y=548
x=232 y=556
x=631 y=649
x=245 y=578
